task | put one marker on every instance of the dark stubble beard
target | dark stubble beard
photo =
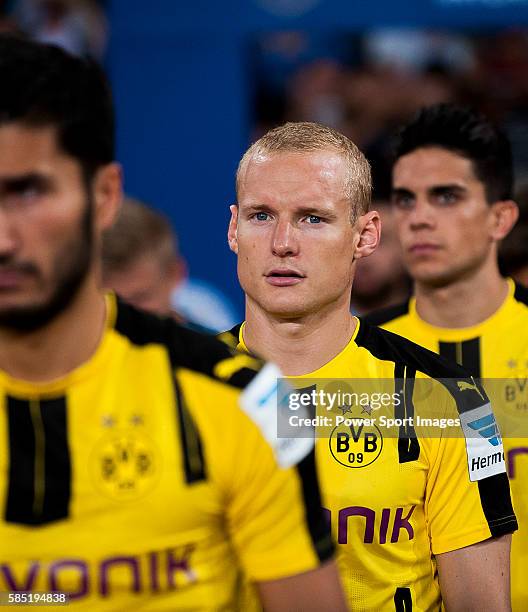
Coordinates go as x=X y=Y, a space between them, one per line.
x=70 y=269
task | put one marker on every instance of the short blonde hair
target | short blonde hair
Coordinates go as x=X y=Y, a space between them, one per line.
x=308 y=137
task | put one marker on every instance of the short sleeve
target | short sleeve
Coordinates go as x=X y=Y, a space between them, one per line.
x=273 y=514
x=461 y=510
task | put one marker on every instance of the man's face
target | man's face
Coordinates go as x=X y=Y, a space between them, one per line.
x=45 y=227
x=443 y=220
x=293 y=235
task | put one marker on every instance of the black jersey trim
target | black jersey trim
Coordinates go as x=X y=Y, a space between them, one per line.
x=384 y=315
x=387 y=346
x=187 y=348
x=521 y=294
x=449 y=350
x=408 y=444
x=497 y=505
x=235 y=332
x=466 y=353
x=403 y=600
x=39 y=488
x=190 y=441
x=318 y=526
x=494 y=491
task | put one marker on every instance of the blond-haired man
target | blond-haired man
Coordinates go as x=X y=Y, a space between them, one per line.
x=414 y=515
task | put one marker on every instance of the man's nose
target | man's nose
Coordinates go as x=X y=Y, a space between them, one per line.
x=284 y=241
x=422 y=215
x=8 y=235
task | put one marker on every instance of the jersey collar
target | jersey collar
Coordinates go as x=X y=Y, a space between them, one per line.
x=328 y=369
x=54 y=387
x=459 y=334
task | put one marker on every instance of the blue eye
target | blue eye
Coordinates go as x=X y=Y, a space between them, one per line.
x=314 y=219
x=402 y=201
x=447 y=197
x=261 y=216
x=29 y=193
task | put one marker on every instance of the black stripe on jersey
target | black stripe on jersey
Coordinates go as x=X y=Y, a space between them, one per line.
x=387 y=346
x=190 y=441
x=449 y=351
x=408 y=445
x=186 y=348
x=471 y=356
x=315 y=518
x=496 y=504
x=521 y=294
x=466 y=353
x=39 y=488
x=494 y=491
x=384 y=315
x=403 y=600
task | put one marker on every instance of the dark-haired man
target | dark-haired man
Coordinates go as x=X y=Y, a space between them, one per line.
x=130 y=477
x=420 y=519
x=452 y=197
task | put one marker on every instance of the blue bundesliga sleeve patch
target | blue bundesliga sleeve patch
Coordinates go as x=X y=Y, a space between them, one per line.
x=484 y=447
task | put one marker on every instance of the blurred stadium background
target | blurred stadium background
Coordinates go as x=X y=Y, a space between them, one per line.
x=196 y=81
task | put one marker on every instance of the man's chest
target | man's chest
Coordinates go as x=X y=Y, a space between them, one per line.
x=94 y=494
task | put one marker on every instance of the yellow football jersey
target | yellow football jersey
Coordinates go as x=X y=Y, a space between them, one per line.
x=396 y=501
x=137 y=482
x=496 y=350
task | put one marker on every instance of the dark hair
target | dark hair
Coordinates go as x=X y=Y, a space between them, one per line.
x=467 y=133
x=43 y=85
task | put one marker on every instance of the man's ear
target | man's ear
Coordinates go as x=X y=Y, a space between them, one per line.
x=108 y=195
x=505 y=215
x=232 y=231
x=177 y=270
x=368 y=229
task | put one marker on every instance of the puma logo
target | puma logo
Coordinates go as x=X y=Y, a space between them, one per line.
x=465 y=386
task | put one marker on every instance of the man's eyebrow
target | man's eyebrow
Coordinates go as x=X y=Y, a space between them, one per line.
x=23 y=181
x=435 y=190
x=319 y=211
x=441 y=189
x=254 y=207
x=401 y=191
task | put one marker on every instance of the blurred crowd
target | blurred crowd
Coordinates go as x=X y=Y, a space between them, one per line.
x=141 y=257
x=364 y=85
x=78 y=26
x=367 y=85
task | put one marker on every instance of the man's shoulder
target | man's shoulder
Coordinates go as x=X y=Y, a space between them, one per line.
x=389 y=346
x=411 y=359
x=188 y=349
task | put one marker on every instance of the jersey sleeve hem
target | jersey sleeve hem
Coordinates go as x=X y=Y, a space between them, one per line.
x=454 y=542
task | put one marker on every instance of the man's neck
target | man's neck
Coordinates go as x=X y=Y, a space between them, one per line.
x=298 y=346
x=463 y=303
x=65 y=343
